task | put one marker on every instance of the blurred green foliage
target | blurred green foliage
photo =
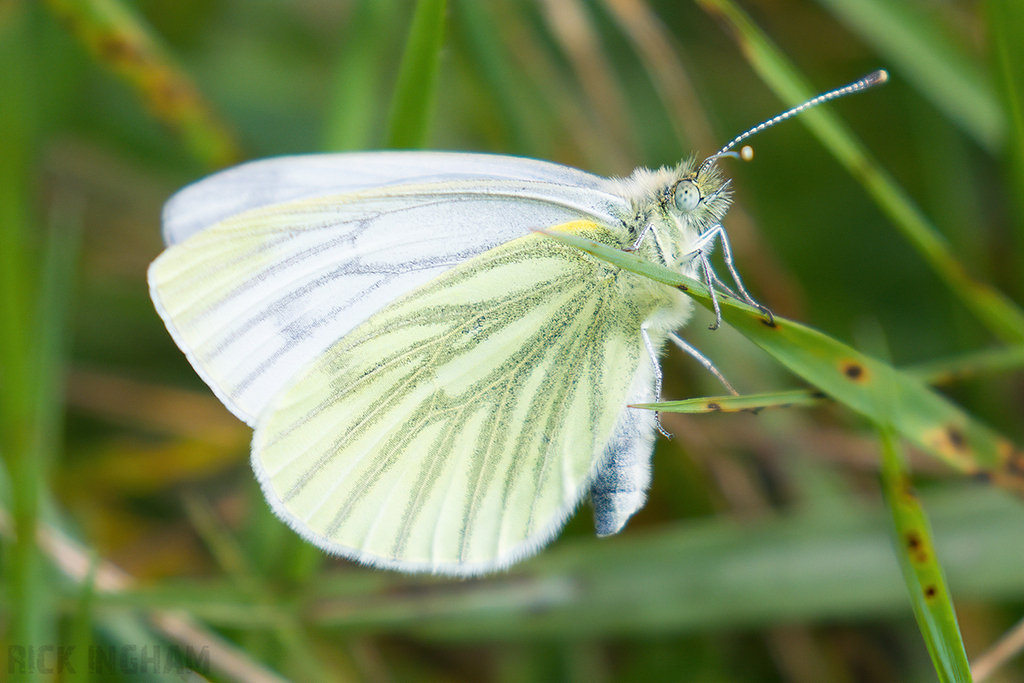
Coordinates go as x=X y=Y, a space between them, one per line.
x=763 y=553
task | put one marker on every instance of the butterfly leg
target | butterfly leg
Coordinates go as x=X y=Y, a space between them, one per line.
x=710 y=279
x=640 y=238
x=655 y=361
x=707 y=239
x=703 y=360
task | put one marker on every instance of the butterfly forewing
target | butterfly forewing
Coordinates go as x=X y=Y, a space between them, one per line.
x=254 y=297
x=268 y=182
x=457 y=428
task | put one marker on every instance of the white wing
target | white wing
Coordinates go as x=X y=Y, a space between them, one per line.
x=253 y=289
x=289 y=178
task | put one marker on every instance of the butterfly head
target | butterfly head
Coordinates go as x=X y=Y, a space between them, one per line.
x=698 y=197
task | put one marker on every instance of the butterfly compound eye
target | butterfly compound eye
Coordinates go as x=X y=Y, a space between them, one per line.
x=687 y=196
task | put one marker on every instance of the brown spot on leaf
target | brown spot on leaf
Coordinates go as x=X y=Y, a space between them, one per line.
x=170 y=94
x=1009 y=473
x=952 y=443
x=1015 y=463
x=930 y=591
x=916 y=548
x=853 y=370
x=714 y=406
x=117 y=48
x=1006 y=450
x=956 y=438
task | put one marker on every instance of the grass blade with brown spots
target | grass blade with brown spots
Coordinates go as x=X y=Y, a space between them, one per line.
x=121 y=41
x=922 y=572
x=733 y=404
x=920 y=415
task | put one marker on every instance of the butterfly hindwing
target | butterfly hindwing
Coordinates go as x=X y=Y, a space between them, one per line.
x=456 y=429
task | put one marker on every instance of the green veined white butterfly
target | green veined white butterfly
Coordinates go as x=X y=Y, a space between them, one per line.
x=434 y=387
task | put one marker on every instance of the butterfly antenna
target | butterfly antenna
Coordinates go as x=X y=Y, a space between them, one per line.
x=871 y=80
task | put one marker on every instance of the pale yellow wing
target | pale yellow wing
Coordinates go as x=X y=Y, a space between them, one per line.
x=456 y=429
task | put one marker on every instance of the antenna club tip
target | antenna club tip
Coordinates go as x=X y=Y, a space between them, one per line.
x=878 y=77
x=746 y=153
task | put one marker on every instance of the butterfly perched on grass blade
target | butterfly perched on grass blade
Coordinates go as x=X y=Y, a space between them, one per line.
x=434 y=386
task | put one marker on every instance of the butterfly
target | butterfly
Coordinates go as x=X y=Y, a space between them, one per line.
x=433 y=385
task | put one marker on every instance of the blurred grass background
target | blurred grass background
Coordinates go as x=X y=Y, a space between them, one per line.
x=763 y=553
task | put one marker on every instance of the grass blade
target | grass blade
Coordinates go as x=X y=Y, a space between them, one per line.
x=910 y=38
x=352 y=115
x=1007 y=47
x=942 y=371
x=119 y=40
x=923 y=417
x=30 y=619
x=926 y=584
x=732 y=404
x=417 y=79
x=1000 y=314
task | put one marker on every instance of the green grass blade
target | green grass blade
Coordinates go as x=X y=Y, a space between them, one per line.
x=909 y=38
x=732 y=404
x=703 y=574
x=923 y=417
x=359 y=77
x=943 y=371
x=914 y=545
x=1000 y=314
x=80 y=636
x=28 y=615
x=122 y=42
x=984 y=362
x=926 y=584
x=1005 y=19
x=505 y=89
x=417 y=79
